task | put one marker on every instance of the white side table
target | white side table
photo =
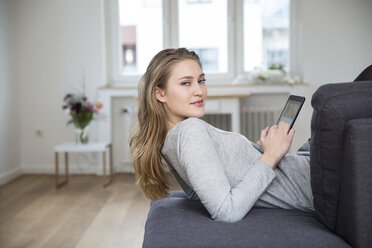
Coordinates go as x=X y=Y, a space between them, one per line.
x=90 y=147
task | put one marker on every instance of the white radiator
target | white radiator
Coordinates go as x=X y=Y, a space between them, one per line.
x=221 y=121
x=254 y=119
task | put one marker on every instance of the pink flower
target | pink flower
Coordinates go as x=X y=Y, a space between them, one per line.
x=99 y=105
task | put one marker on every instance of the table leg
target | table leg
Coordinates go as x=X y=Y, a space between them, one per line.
x=56 y=160
x=59 y=184
x=66 y=165
x=104 y=167
x=111 y=169
x=105 y=183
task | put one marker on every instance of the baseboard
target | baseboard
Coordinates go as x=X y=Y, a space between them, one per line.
x=50 y=169
x=82 y=169
x=10 y=175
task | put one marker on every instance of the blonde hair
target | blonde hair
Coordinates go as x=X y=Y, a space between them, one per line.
x=148 y=135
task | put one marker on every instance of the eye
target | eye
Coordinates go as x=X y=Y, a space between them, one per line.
x=202 y=81
x=185 y=83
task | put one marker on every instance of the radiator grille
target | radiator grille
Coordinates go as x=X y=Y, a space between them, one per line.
x=221 y=121
x=254 y=119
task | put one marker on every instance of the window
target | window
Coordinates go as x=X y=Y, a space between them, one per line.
x=141 y=29
x=208 y=58
x=230 y=37
x=206 y=36
x=266 y=33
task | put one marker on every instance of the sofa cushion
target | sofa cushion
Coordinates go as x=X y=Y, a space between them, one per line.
x=180 y=222
x=334 y=106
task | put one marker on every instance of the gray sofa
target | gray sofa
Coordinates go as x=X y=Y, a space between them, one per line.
x=341 y=174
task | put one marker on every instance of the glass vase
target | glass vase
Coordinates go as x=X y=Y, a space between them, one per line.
x=81 y=135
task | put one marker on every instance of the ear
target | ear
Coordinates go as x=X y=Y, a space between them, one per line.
x=160 y=94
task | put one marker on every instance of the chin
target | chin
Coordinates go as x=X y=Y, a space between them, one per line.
x=199 y=115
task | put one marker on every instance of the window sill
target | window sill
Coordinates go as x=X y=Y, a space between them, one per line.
x=215 y=91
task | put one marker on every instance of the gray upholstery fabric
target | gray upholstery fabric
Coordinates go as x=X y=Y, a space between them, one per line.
x=334 y=105
x=354 y=219
x=180 y=222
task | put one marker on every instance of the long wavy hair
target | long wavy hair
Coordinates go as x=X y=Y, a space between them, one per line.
x=148 y=135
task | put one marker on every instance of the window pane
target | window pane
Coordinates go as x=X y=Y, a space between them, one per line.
x=266 y=33
x=141 y=33
x=203 y=28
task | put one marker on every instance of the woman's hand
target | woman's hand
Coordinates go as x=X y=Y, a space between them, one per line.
x=263 y=134
x=275 y=142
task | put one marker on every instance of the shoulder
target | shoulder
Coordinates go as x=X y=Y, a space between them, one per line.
x=190 y=125
x=193 y=122
x=191 y=129
x=185 y=136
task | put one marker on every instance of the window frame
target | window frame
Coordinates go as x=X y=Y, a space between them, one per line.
x=235 y=42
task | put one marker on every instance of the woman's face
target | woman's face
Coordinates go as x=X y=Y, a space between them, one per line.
x=185 y=92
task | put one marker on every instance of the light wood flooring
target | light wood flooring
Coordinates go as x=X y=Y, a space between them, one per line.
x=33 y=213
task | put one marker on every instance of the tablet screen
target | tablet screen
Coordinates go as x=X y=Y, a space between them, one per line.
x=291 y=110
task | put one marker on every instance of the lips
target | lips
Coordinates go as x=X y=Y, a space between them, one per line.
x=198 y=103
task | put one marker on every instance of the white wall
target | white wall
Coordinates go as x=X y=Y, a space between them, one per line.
x=335 y=46
x=56 y=38
x=9 y=100
x=336 y=39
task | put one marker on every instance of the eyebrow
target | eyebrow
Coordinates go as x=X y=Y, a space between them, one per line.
x=190 y=77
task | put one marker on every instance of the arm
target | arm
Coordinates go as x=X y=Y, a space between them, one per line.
x=204 y=170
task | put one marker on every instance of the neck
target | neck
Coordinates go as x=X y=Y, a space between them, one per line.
x=172 y=123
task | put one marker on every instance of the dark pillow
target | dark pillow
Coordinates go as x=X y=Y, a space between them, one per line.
x=334 y=105
x=365 y=75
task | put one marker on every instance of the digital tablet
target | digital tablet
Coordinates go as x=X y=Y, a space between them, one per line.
x=291 y=110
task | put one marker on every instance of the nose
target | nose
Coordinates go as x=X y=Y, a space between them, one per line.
x=198 y=91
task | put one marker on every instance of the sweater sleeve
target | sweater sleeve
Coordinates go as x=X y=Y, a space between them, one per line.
x=199 y=156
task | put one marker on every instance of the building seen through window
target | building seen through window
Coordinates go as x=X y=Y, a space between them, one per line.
x=266 y=33
x=208 y=58
x=203 y=28
x=141 y=29
x=129 y=48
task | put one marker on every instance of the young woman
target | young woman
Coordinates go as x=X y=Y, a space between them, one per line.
x=224 y=170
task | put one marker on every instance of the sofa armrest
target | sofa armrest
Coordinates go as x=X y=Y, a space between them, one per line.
x=354 y=217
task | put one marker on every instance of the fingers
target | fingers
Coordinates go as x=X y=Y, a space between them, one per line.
x=291 y=133
x=264 y=131
x=283 y=129
x=284 y=126
x=274 y=126
x=273 y=129
x=263 y=135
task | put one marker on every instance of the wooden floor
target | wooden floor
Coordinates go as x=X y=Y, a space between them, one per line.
x=33 y=213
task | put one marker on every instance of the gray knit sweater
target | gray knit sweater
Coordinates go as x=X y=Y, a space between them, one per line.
x=222 y=170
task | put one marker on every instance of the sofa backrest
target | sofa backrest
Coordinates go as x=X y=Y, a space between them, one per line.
x=335 y=105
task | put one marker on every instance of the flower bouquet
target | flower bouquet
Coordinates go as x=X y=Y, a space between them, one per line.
x=82 y=112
